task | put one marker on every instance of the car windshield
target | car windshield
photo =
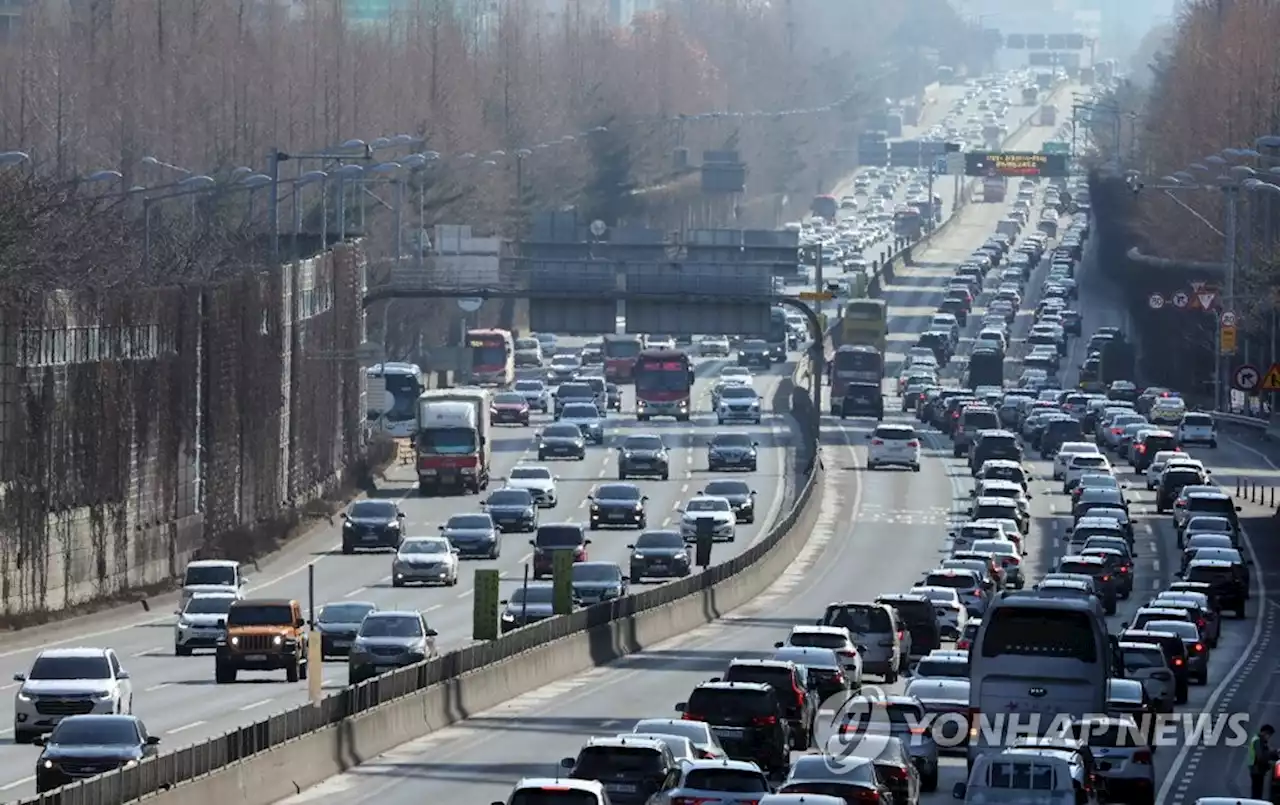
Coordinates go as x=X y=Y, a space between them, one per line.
x=70 y=668
x=562 y=431
x=831 y=640
x=660 y=539
x=707 y=505
x=469 y=521
x=372 y=510
x=209 y=605
x=728 y=488
x=424 y=546
x=618 y=492
x=738 y=392
x=533 y=594
x=1184 y=630
x=529 y=385
x=96 y=731
x=590 y=571
x=530 y=474
x=344 y=613
x=580 y=411
x=642 y=443
x=223 y=575
x=510 y=497
x=731 y=440
x=391 y=626
x=733 y=781
x=1136 y=659
x=260 y=615
x=508 y=399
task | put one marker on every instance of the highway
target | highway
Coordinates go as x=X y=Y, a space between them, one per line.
x=177 y=697
x=878 y=532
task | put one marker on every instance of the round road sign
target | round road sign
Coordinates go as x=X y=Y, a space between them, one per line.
x=1228 y=319
x=469 y=304
x=1180 y=299
x=1156 y=301
x=1247 y=378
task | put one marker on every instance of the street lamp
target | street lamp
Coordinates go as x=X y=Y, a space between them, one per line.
x=8 y=158
x=160 y=163
x=310 y=177
x=344 y=174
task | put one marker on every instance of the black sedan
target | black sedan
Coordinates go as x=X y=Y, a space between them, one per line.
x=643 y=455
x=614 y=395
x=659 y=554
x=562 y=440
x=86 y=746
x=740 y=496
x=513 y=510
x=754 y=352
x=618 y=505
x=338 y=625
x=370 y=524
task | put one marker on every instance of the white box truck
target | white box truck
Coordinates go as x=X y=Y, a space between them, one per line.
x=451 y=440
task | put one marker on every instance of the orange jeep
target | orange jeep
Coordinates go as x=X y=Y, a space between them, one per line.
x=263 y=634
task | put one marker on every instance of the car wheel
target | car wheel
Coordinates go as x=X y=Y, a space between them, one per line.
x=178 y=651
x=594 y=525
x=542 y=456
x=495 y=551
x=622 y=476
x=871 y=465
x=348 y=549
x=1213 y=444
x=397 y=583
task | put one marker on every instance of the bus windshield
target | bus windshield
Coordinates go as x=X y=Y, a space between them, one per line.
x=662 y=375
x=858 y=361
x=484 y=353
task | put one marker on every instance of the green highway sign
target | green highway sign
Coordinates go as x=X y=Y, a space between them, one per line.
x=1055 y=147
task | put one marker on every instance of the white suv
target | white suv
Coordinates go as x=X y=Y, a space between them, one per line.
x=65 y=682
x=1065 y=453
x=893 y=445
x=1197 y=428
x=1079 y=464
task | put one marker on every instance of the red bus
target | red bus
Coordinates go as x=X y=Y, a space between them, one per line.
x=493 y=356
x=620 y=353
x=664 y=384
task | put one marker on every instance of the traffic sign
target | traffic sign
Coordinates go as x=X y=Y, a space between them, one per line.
x=1227 y=340
x=1228 y=319
x=1246 y=378
x=1272 y=381
x=1180 y=300
x=1156 y=301
x=816 y=296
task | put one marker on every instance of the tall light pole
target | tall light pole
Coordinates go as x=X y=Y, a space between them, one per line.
x=361 y=149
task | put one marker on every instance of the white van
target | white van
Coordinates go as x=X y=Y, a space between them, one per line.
x=1027 y=777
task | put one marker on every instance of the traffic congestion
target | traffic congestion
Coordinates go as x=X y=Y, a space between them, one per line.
x=1079 y=583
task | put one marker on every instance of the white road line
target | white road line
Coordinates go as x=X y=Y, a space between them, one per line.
x=522 y=560
x=1155 y=565
x=256 y=704
x=434 y=607
x=151 y=652
x=355 y=592
x=17 y=783
x=10 y=686
x=161 y=686
x=466 y=593
x=185 y=727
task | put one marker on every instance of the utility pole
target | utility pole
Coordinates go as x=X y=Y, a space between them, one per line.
x=1229 y=260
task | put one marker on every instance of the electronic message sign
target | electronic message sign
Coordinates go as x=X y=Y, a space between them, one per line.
x=1014 y=163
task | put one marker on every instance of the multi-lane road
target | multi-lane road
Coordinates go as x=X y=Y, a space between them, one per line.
x=878 y=532
x=177 y=697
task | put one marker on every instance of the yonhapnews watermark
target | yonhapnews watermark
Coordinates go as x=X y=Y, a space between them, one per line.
x=856 y=726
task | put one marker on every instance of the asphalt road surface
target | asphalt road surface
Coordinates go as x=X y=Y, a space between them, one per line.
x=878 y=532
x=177 y=697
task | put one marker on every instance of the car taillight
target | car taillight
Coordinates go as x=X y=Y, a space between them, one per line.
x=838 y=677
x=1117 y=431
x=1199 y=647
x=1200 y=622
x=764 y=721
x=847 y=653
x=977 y=593
x=963 y=644
x=1142 y=448
x=1106 y=578
x=901 y=634
x=799 y=697
x=1142 y=756
x=1177 y=661
x=877 y=442
x=913 y=443
x=1012 y=560
x=869 y=795
x=692 y=717
x=1124 y=568
x=691 y=800
x=955 y=415
x=974 y=715
x=897 y=772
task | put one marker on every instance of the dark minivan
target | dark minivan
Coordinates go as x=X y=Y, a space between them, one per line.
x=557 y=537
x=920 y=616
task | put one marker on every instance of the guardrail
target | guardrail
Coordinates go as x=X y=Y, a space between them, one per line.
x=553 y=649
x=1267 y=427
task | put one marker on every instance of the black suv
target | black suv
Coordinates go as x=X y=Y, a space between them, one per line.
x=747 y=719
x=791 y=684
x=1228 y=580
x=1144 y=452
x=921 y=619
x=862 y=399
x=993 y=444
x=1171 y=482
x=552 y=537
x=631 y=769
x=643 y=455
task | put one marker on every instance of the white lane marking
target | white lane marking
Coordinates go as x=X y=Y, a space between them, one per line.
x=161 y=686
x=355 y=592
x=1175 y=768
x=186 y=727
x=434 y=607
x=10 y=686
x=466 y=593
x=256 y=704
x=151 y=652
x=19 y=782
x=1155 y=565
